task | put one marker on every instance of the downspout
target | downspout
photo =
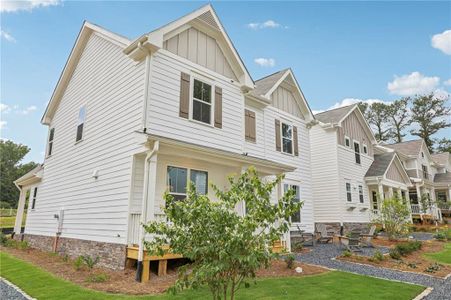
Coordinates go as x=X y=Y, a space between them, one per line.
x=139 y=269
x=148 y=62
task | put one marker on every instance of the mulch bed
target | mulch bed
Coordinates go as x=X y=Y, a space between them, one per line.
x=123 y=282
x=414 y=262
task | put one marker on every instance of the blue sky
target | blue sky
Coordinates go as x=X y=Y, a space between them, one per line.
x=339 y=51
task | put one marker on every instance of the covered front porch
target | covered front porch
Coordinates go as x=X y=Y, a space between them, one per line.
x=424 y=204
x=168 y=165
x=384 y=190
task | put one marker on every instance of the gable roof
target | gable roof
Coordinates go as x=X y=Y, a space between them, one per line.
x=85 y=32
x=382 y=163
x=31 y=177
x=408 y=147
x=336 y=115
x=205 y=18
x=442 y=178
x=441 y=158
x=265 y=86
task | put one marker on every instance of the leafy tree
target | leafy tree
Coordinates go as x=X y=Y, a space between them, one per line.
x=399 y=118
x=377 y=116
x=10 y=169
x=226 y=249
x=394 y=215
x=443 y=145
x=363 y=106
x=430 y=114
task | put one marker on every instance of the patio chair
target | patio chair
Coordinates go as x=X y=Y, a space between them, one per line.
x=305 y=237
x=324 y=235
x=354 y=241
x=366 y=238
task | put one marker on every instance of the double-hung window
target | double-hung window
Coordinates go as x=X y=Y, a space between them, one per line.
x=357 y=152
x=33 y=201
x=50 y=143
x=347 y=142
x=296 y=217
x=425 y=171
x=202 y=101
x=178 y=181
x=365 y=149
x=348 y=192
x=287 y=138
x=361 y=199
x=80 y=123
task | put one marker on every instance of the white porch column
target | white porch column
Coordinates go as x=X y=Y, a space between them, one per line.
x=399 y=194
x=408 y=204
x=390 y=192
x=380 y=189
x=20 y=211
x=417 y=186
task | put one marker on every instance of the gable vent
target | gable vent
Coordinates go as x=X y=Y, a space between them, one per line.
x=208 y=18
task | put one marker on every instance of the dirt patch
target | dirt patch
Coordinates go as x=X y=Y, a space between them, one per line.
x=414 y=262
x=123 y=282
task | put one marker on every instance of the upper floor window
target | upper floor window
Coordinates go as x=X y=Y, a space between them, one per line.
x=50 y=143
x=287 y=138
x=249 y=126
x=177 y=181
x=365 y=149
x=80 y=123
x=361 y=199
x=348 y=192
x=33 y=202
x=357 y=152
x=202 y=101
x=425 y=171
x=296 y=217
x=422 y=154
x=347 y=142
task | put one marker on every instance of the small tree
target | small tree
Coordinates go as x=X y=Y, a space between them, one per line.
x=399 y=118
x=377 y=116
x=394 y=215
x=443 y=145
x=226 y=248
x=425 y=203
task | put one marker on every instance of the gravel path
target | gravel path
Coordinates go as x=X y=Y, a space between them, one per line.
x=8 y=292
x=324 y=254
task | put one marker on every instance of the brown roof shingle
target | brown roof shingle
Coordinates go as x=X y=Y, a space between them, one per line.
x=441 y=158
x=380 y=164
x=408 y=147
x=263 y=85
x=334 y=115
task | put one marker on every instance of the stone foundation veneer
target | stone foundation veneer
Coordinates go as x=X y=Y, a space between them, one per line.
x=347 y=227
x=110 y=255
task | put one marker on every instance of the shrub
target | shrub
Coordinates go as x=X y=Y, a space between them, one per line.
x=432 y=268
x=3 y=239
x=412 y=265
x=441 y=236
x=394 y=253
x=97 y=278
x=394 y=216
x=89 y=261
x=378 y=256
x=78 y=263
x=408 y=247
x=22 y=245
x=65 y=258
x=289 y=259
x=346 y=253
x=298 y=247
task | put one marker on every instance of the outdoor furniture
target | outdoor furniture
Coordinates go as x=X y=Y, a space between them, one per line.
x=368 y=237
x=324 y=235
x=307 y=239
x=352 y=242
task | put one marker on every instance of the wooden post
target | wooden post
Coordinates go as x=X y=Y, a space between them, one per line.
x=162 y=267
x=146 y=271
x=20 y=211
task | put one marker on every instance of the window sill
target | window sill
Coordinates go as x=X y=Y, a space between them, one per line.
x=202 y=123
x=251 y=141
x=78 y=142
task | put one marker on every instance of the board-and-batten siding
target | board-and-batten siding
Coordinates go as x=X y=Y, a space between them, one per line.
x=201 y=49
x=284 y=100
x=352 y=128
x=163 y=109
x=325 y=182
x=111 y=86
x=394 y=174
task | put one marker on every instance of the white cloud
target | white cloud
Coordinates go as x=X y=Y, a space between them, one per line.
x=27 y=5
x=265 y=62
x=5 y=108
x=442 y=41
x=266 y=24
x=441 y=94
x=414 y=83
x=3 y=124
x=447 y=82
x=350 y=101
x=27 y=110
x=5 y=35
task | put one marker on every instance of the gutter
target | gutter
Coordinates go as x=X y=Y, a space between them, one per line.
x=150 y=154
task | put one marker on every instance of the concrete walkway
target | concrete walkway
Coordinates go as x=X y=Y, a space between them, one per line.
x=325 y=254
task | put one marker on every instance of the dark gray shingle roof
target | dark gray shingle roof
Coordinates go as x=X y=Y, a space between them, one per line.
x=407 y=148
x=380 y=164
x=442 y=177
x=263 y=85
x=334 y=115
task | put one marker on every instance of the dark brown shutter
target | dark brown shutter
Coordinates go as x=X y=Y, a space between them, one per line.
x=250 y=126
x=295 y=140
x=278 y=148
x=218 y=107
x=184 y=95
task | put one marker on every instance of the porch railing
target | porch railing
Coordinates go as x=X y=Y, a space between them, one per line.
x=415 y=208
x=134 y=225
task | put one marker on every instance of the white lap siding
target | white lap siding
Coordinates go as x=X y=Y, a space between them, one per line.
x=111 y=87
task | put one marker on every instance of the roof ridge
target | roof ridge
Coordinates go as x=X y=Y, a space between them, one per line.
x=410 y=141
x=272 y=74
x=337 y=108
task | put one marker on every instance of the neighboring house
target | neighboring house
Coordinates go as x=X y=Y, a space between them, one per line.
x=130 y=120
x=430 y=176
x=350 y=179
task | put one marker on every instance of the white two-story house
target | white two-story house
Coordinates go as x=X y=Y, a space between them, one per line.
x=350 y=179
x=130 y=120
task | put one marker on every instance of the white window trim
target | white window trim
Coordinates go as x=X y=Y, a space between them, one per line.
x=191 y=99
x=188 y=177
x=365 y=149
x=360 y=185
x=33 y=198
x=290 y=184
x=77 y=124
x=47 y=155
x=281 y=138
x=360 y=151
x=348 y=139
x=350 y=190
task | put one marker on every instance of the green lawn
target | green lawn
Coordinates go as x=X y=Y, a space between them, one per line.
x=6 y=222
x=443 y=256
x=332 y=285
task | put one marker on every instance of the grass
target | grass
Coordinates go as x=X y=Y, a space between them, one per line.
x=332 y=285
x=443 y=256
x=9 y=221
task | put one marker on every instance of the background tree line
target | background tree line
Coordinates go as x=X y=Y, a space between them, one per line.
x=422 y=116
